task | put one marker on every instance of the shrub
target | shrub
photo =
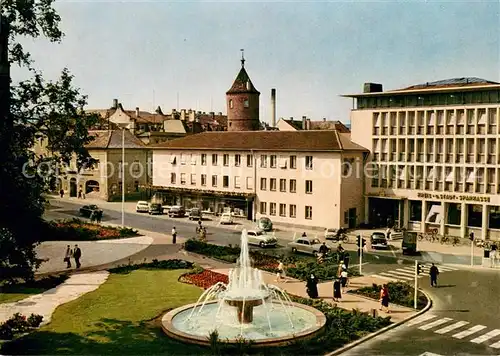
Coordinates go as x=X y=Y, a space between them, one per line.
x=19 y=324
x=78 y=230
x=155 y=264
x=34 y=320
x=399 y=293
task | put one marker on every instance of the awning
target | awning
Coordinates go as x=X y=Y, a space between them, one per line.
x=202 y=192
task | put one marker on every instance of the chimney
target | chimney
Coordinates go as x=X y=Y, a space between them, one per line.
x=308 y=124
x=273 y=107
x=137 y=112
x=304 y=123
x=115 y=103
x=372 y=88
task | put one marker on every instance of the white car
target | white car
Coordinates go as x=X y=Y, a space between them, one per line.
x=142 y=207
x=226 y=218
x=256 y=237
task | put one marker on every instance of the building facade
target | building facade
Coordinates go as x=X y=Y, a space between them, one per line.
x=294 y=178
x=307 y=124
x=435 y=153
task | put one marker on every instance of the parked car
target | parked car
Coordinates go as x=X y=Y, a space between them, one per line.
x=155 y=209
x=195 y=214
x=256 y=237
x=265 y=224
x=142 y=206
x=307 y=245
x=336 y=235
x=226 y=218
x=177 y=212
x=87 y=210
x=378 y=240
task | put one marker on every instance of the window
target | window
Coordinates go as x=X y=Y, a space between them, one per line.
x=249 y=160
x=309 y=162
x=214 y=181
x=272 y=208
x=272 y=184
x=293 y=185
x=183 y=178
x=193 y=160
x=282 y=162
x=225 y=160
x=136 y=168
x=203 y=179
x=474 y=215
x=454 y=214
x=237 y=182
x=273 y=161
x=415 y=210
x=173 y=159
x=203 y=159
x=494 y=217
x=249 y=182
x=214 y=159
x=263 y=206
x=293 y=162
x=292 y=210
x=309 y=186
x=172 y=178
x=225 y=181
x=263 y=161
x=183 y=158
x=193 y=179
x=231 y=105
x=263 y=184
x=246 y=103
x=309 y=212
x=237 y=160
x=283 y=210
x=282 y=185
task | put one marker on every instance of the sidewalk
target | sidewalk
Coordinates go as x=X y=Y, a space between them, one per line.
x=349 y=301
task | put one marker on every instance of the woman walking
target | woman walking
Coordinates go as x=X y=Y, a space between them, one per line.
x=343 y=280
x=281 y=272
x=337 y=294
x=312 y=286
x=384 y=298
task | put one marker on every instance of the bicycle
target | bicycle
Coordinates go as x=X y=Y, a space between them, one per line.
x=445 y=239
x=455 y=241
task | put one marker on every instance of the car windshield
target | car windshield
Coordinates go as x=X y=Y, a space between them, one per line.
x=378 y=236
x=315 y=242
x=331 y=231
x=93 y=206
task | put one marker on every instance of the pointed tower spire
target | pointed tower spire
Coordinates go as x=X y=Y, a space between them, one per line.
x=242 y=58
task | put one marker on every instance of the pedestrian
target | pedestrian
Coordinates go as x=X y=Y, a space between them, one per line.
x=77 y=254
x=337 y=293
x=347 y=259
x=281 y=272
x=433 y=273
x=174 y=235
x=61 y=193
x=80 y=194
x=312 y=286
x=93 y=216
x=341 y=268
x=99 y=216
x=323 y=249
x=493 y=254
x=343 y=280
x=67 y=256
x=384 y=298
x=388 y=233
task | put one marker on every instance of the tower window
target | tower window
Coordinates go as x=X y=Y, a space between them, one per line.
x=230 y=103
x=246 y=103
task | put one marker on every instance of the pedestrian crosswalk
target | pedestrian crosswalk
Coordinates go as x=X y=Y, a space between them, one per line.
x=407 y=274
x=462 y=330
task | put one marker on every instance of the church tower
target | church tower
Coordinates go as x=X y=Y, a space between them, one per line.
x=242 y=102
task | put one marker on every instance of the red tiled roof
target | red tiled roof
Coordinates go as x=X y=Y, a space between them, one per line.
x=113 y=139
x=320 y=125
x=310 y=140
x=240 y=84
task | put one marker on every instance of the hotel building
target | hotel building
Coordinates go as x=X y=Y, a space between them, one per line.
x=296 y=178
x=435 y=147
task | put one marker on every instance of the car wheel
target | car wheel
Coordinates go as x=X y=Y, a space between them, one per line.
x=261 y=244
x=294 y=250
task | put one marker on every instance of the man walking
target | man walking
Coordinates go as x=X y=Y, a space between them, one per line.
x=174 y=235
x=67 y=257
x=433 y=272
x=77 y=254
x=493 y=254
x=61 y=193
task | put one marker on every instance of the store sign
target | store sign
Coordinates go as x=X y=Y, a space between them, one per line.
x=463 y=198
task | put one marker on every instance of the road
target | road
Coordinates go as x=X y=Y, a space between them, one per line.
x=465 y=300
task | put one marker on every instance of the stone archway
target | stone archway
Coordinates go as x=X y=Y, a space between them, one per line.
x=72 y=187
x=91 y=186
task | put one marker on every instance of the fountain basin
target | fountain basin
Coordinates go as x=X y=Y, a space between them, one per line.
x=244 y=307
x=307 y=323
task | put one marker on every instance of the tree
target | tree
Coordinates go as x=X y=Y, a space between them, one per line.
x=38 y=110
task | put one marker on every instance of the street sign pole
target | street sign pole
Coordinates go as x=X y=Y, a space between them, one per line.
x=472 y=253
x=360 y=254
x=416 y=285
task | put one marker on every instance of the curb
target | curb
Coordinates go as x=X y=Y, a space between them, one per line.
x=383 y=330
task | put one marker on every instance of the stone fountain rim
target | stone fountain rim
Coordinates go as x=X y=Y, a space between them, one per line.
x=170 y=330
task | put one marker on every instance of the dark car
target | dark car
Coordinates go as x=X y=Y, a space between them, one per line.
x=378 y=240
x=195 y=214
x=177 y=212
x=265 y=224
x=87 y=210
x=155 y=209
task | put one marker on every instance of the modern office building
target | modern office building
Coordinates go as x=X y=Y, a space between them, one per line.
x=299 y=178
x=435 y=147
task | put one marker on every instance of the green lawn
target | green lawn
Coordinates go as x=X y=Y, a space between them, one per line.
x=11 y=294
x=118 y=318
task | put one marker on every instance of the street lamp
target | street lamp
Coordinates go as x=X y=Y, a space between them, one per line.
x=123 y=127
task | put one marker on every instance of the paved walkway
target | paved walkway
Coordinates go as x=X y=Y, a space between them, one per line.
x=46 y=303
x=349 y=301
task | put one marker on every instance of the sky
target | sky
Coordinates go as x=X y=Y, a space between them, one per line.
x=187 y=54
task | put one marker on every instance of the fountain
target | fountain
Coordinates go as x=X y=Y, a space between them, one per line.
x=245 y=308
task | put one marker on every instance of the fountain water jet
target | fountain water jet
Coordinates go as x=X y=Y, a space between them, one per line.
x=245 y=307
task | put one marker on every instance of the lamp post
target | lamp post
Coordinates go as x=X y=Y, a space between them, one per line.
x=123 y=127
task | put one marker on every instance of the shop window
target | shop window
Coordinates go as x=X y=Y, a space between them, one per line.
x=434 y=213
x=454 y=214
x=494 y=217
x=474 y=215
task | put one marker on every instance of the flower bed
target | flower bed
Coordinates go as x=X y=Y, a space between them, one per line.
x=155 y=264
x=399 y=293
x=204 y=279
x=78 y=230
